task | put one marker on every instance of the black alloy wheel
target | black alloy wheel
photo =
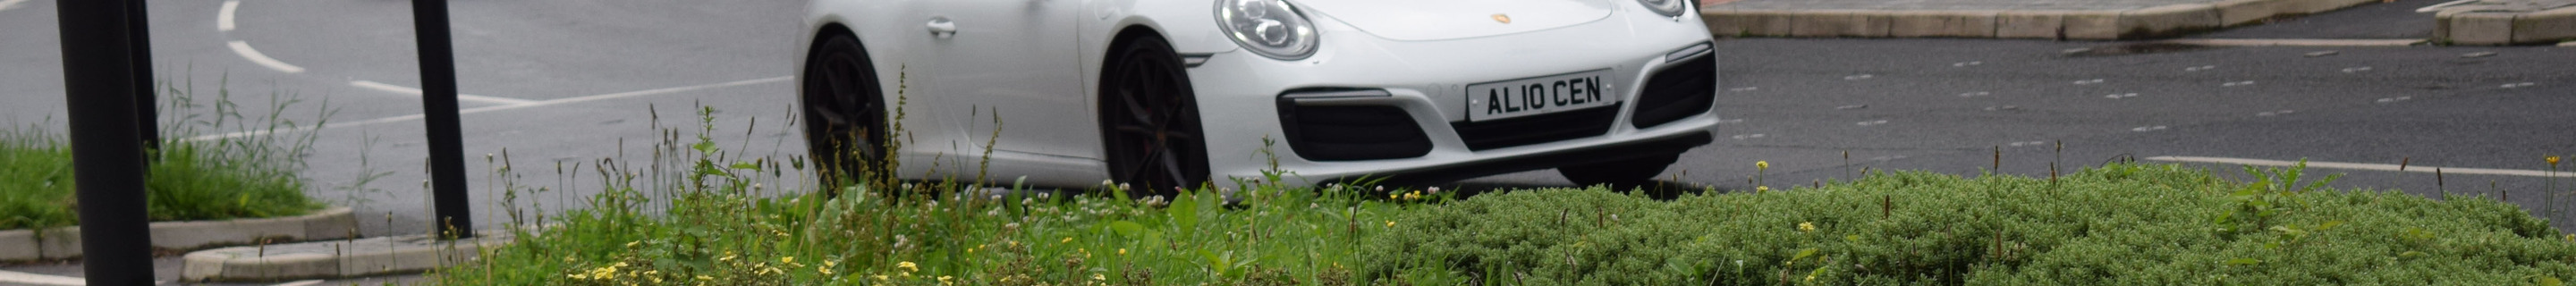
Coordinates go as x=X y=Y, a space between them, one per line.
x=1622 y=174
x=1149 y=119
x=845 y=115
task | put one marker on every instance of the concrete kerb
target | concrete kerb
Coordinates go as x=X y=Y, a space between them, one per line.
x=64 y=242
x=2460 y=27
x=2545 y=26
x=334 y=259
x=2151 y=22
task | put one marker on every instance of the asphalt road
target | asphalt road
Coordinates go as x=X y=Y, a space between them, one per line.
x=570 y=82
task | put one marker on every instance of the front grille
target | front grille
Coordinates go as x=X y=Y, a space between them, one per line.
x=1347 y=133
x=1676 y=93
x=1536 y=129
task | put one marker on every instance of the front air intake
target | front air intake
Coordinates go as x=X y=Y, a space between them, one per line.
x=1352 y=133
x=1681 y=91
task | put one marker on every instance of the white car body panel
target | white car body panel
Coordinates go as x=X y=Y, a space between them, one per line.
x=1426 y=20
x=1037 y=63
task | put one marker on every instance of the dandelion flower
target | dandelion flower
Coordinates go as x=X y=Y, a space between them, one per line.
x=705 y=278
x=1390 y=223
x=631 y=244
x=787 y=260
x=824 y=270
x=1122 y=251
x=2553 y=161
x=945 y=280
x=1067 y=239
x=907 y=267
x=1806 y=227
x=1765 y=165
x=1098 y=277
x=1761 y=189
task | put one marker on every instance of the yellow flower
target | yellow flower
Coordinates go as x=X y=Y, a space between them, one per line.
x=823 y=269
x=1806 y=227
x=1098 y=277
x=1122 y=251
x=1067 y=239
x=1413 y=196
x=787 y=260
x=633 y=243
x=945 y=280
x=906 y=266
x=705 y=278
x=1761 y=189
x=881 y=277
x=1390 y=223
x=2553 y=161
x=1765 y=165
x=728 y=256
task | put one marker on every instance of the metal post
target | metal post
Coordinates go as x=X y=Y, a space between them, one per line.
x=438 y=99
x=98 y=84
x=146 y=109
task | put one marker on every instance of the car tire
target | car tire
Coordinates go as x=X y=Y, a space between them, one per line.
x=1149 y=119
x=1620 y=174
x=845 y=114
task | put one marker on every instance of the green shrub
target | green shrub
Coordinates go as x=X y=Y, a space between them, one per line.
x=2116 y=225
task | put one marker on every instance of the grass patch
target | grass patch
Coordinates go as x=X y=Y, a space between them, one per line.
x=703 y=216
x=228 y=178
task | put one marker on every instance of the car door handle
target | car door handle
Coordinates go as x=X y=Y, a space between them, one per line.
x=942 y=27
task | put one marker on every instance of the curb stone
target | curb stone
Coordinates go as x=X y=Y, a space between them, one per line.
x=64 y=242
x=334 y=259
x=2150 y=22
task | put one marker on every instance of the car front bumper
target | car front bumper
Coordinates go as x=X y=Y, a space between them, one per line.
x=1240 y=98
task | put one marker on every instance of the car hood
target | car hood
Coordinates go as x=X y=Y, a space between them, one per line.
x=1423 y=20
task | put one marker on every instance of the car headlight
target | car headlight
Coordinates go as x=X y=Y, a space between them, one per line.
x=1668 y=8
x=1271 y=28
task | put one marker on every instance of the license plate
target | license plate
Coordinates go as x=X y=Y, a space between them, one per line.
x=1538 y=95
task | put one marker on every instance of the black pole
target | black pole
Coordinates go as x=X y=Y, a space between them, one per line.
x=438 y=99
x=98 y=85
x=146 y=109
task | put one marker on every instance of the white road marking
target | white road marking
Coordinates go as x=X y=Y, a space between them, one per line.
x=224 y=17
x=6 y=4
x=38 y=279
x=300 y=283
x=2299 y=42
x=2438 y=7
x=2354 y=166
x=416 y=92
x=254 y=56
x=507 y=107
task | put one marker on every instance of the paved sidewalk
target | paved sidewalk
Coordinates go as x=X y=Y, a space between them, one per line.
x=2037 y=19
x=2506 y=22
